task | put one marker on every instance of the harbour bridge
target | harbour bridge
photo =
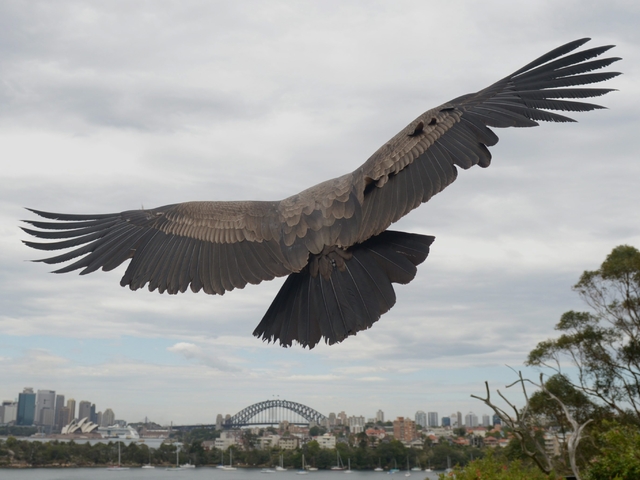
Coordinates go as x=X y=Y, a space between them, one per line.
x=269 y=412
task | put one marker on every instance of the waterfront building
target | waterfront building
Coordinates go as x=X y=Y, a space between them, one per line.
x=268 y=441
x=421 y=418
x=432 y=418
x=404 y=429
x=326 y=441
x=227 y=438
x=26 y=407
x=288 y=443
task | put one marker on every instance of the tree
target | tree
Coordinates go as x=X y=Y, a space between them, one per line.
x=619 y=456
x=603 y=344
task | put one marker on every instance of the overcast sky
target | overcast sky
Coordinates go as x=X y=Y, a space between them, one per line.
x=111 y=106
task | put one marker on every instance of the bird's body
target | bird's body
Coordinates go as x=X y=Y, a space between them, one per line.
x=331 y=239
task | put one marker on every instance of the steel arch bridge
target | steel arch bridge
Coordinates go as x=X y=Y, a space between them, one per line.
x=271 y=412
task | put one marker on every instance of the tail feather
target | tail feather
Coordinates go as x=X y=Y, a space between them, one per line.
x=309 y=308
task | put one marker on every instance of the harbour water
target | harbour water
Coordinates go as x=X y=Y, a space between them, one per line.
x=200 y=473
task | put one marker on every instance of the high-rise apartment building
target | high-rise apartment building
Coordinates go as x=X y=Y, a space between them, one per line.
x=486 y=420
x=404 y=429
x=380 y=416
x=332 y=419
x=471 y=420
x=421 y=418
x=84 y=410
x=432 y=419
x=446 y=421
x=454 y=420
x=26 y=407
x=342 y=418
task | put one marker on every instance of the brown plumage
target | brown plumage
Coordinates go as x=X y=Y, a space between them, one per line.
x=331 y=239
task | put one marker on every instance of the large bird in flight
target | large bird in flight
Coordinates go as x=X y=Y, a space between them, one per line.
x=331 y=239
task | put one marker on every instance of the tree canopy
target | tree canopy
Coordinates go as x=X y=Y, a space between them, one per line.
x=604 y=343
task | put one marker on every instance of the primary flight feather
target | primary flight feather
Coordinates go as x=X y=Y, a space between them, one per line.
x=331 y=239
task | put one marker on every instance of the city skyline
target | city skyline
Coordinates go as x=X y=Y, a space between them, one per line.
x=111 y=106
x=88 y=409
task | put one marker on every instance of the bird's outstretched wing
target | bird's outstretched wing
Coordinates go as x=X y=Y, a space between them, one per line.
x=218 y=246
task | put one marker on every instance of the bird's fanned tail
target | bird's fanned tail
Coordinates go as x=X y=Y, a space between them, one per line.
x=349 y=296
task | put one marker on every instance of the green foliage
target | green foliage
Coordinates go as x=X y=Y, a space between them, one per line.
x=603 y=344
x=494 y=468
x=619 y=456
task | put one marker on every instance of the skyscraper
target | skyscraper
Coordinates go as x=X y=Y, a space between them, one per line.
x=109 y=418
x=471 y=420
x=421 y=418
x=380 y=416
x=45 y=407
x=65 y=416
x=84 y=410
x=454 y=420
x=433 y=419
x=26 y=407
x=71 y=404
x=59 y=407
x=486 y=420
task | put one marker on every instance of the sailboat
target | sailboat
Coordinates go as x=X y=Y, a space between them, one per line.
x=448 y=465
x=395 y=467
x=229 y=467
x=177 y=467
x=339 y=465
x=348 y=470
x=148 y=465
x=115 y=468
x=408 y=472
x=428 y=469
x=280 y=468
x=221 y=460
x=302 y=471
x=417 y=468
x=379 y=467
